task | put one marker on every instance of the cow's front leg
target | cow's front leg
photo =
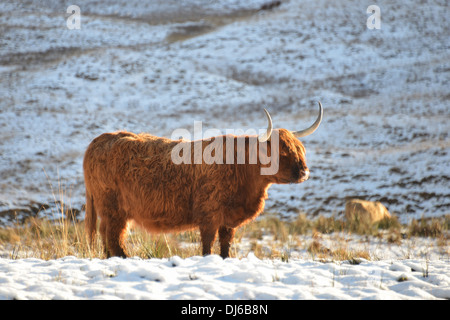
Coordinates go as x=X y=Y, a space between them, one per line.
x=225 y=237
x=208 y=234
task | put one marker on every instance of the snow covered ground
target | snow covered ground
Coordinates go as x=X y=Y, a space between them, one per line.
x=416 y=268
x=210 y=278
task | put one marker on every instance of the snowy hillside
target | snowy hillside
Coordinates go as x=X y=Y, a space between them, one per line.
x=159 y=66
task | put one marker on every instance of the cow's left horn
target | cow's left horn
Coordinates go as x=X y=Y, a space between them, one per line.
x=266 y=135
x=307 y=132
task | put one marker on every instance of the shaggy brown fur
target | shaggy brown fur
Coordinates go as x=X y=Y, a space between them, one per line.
x=131 y=177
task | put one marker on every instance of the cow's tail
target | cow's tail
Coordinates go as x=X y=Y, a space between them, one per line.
x=90 y=219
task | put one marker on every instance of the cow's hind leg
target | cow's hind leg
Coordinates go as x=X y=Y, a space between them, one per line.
x=113 y=226
x=116 y=233
x=103 y=235
x=225 y=238
x=113 y=237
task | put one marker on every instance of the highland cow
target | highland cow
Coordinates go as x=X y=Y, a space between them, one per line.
x=133 y=178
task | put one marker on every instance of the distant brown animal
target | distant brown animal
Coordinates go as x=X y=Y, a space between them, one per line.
x=365 y=211
x=131 y=177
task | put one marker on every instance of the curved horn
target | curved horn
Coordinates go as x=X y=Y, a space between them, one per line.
x=307 y=132
x=266 y=135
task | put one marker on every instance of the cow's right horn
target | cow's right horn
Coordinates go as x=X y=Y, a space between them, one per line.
x=315 y=125
x=266 y=135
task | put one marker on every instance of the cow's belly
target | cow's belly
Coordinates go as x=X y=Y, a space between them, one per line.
x=163 y=225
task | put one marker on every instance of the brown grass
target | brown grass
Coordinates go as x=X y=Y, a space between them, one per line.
x=46 y=239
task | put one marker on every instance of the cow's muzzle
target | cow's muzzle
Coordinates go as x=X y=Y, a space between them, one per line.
x=299 y=175
x=304 y=175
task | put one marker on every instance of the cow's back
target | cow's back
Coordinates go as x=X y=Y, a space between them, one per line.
x=136 y=170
